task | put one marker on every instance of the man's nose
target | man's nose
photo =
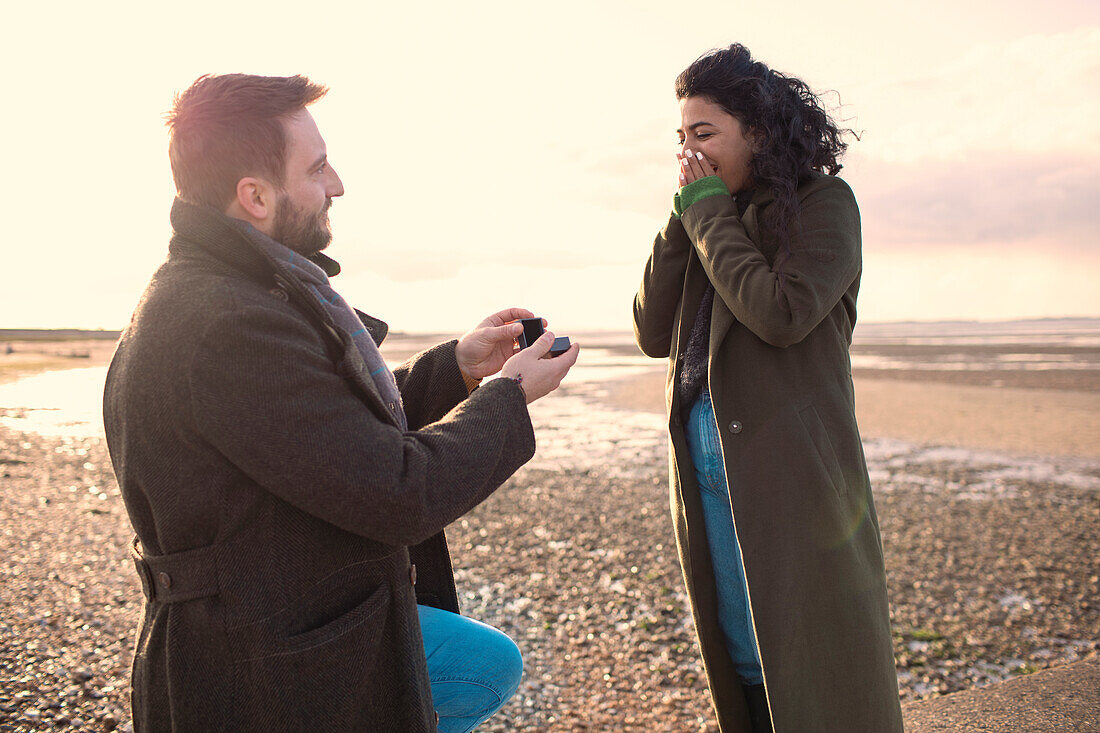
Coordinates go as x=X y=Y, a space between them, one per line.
x=335 y=186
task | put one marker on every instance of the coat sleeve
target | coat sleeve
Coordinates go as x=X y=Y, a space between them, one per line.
x=431 y=384
x=662 y=284
x=265 y=393
x=781 y=304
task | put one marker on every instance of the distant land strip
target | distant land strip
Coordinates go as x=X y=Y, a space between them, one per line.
x=56 y=334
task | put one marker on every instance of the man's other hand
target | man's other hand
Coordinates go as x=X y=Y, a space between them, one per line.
x=482 y=352
x=539 y=376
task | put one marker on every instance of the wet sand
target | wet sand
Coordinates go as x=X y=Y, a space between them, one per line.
x=992 y=557
x=925 y=408
x=22 y=358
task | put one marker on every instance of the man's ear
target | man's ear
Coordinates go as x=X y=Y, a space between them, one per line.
x=255 y=202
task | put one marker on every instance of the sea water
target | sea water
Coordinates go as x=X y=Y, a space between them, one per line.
x=64 y=402
x=576 y=428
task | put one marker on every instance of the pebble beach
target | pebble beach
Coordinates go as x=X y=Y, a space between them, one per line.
x=990 y=520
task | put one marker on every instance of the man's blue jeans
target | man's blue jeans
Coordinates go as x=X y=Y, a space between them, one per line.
x=734 y=615
x=474 y=669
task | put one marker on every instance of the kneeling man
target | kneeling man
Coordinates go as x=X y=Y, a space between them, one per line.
x=288 y=491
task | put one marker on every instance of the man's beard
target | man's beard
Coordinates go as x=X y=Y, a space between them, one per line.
x=305 y=233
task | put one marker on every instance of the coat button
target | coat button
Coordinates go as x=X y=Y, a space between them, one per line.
x=412 y=574
x=279 y=293
x=165 y=579
x=736 y=427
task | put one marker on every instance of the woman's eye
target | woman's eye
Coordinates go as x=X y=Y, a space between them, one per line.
x=704 y=135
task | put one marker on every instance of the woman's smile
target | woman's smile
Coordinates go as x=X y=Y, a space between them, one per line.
x=707 y=128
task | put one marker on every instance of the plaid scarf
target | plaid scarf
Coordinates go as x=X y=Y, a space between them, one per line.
x=344 y=316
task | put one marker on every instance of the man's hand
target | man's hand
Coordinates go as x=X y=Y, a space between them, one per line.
x=482 y=351
x=539 y=376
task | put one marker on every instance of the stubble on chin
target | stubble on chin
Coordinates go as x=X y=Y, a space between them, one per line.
x=305 y=234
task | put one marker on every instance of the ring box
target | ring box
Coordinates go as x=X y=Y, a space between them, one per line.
x=532 y=329
x=561 y=345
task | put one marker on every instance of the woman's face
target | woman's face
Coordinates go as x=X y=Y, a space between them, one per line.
x=708 y=129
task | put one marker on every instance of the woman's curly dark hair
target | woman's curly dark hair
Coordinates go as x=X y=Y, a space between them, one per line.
x=797 y=135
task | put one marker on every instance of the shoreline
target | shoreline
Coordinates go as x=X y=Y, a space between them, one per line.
x=23 y=358
x=1028 y=421
x=1042 y=413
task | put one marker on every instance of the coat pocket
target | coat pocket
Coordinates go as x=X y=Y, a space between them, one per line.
x=819 y=436
x=333 y=629
x=312 y=677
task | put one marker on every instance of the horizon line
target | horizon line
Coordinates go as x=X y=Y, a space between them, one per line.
x=905 y=322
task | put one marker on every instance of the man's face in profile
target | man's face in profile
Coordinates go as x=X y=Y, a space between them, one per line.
x=301 y=212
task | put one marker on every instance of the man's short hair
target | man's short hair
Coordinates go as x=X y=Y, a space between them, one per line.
x=225 y=128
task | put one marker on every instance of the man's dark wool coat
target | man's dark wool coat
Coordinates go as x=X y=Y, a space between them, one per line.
x=283 y=517
x=781 y=385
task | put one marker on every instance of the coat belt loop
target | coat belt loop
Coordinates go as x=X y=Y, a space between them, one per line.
x=146 y=575
x=177 y=577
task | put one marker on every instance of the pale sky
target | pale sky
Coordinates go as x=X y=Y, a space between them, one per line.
x=498 y=154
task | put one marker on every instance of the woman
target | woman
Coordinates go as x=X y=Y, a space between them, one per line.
x=750 y=292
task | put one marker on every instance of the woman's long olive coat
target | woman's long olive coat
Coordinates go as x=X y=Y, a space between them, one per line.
x=780 y=379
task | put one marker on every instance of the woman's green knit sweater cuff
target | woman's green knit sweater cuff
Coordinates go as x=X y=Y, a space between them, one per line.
x=697 y=191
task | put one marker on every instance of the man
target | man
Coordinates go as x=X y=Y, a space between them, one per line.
x=287 y=490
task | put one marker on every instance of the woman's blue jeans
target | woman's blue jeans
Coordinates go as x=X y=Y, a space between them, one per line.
x=474 y=669
x=734 y=615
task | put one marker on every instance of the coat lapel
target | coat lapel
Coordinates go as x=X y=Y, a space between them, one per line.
x=378 y=329
x=721 y=319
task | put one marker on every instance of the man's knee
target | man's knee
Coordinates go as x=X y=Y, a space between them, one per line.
x=509 y=662
x=469 y=691
x=465 y=651
x=494 y=656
